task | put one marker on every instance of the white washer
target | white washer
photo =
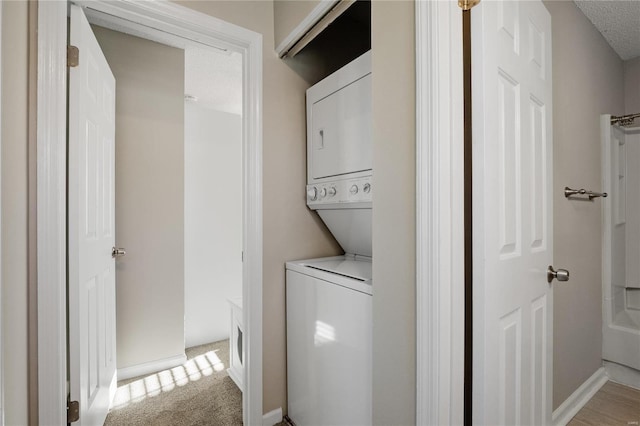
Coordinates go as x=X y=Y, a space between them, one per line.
x=329 y=322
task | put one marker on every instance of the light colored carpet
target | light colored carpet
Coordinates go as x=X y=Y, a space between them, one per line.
x=197 y=393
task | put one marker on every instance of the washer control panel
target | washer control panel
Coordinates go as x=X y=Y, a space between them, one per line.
x=356 y=190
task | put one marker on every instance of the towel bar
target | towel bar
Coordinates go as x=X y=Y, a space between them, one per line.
x=568 y=192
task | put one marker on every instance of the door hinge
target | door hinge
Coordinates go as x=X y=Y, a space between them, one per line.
x=73 y=411
x=467 y=4
x=73 y=56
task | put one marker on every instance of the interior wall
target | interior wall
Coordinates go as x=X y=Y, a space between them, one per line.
x=14 y=169
x=632 y=86
x=394 y=239
x=212 y=221
x=149 y=196
x=290 y=230
x=587 y=82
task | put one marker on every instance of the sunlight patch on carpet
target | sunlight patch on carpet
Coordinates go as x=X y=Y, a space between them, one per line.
x=167 y=380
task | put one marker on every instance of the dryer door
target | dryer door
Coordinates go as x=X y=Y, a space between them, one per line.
x=340 y=131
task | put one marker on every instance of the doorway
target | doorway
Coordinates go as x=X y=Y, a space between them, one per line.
x=178 y=136
x=165 y=19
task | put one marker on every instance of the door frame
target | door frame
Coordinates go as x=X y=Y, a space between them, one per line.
x=440 y=231
x=51 y=185
x=1 y=298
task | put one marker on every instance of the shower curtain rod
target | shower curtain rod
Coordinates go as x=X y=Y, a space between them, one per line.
x=624 y=120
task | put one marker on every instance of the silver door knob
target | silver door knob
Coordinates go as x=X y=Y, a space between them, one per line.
x=117 y=252
x=560 y=274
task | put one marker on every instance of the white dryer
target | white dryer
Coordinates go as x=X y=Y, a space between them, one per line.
x=329 y=316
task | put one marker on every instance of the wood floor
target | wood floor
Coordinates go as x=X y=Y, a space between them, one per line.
x=613 y=405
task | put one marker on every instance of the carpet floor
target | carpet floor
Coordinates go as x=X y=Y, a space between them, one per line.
x=199 y=392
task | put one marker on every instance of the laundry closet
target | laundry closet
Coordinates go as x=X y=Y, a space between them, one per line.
x=329 y=300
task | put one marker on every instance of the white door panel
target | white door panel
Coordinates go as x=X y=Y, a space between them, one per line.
x=512 y=206
x=92 y=366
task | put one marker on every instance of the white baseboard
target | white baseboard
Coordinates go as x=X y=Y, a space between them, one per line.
x=570 y=407
x=622 y=374
x=273 y=417
x=151 y=367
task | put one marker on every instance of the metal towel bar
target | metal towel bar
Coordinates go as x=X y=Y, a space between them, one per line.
x=568 y=192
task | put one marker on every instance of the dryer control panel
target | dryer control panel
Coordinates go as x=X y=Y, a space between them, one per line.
x=346 y=193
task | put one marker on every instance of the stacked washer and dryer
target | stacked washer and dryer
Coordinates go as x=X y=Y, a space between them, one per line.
x=329 y=306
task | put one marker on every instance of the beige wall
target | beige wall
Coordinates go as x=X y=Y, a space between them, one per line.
x=149 y=196
x=291 y=231
x=587 y=82
x=632 y=86
x=393 y=71
x=287 y=15
x=14 y=210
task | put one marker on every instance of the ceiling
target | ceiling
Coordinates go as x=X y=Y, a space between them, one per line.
x=619 y=23
x=215 y=79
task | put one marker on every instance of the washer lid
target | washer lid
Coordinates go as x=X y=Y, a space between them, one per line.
x=356 y=269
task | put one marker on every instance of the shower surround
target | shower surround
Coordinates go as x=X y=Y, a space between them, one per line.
x=621 y=246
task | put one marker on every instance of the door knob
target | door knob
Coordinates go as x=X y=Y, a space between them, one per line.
x=560 y=274
x=117 y=252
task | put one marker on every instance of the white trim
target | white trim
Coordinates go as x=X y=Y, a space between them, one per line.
x=305 y=25
x=622 y=374
x=1 y=307
x=176 y=19
x=605 y=153
x=440 y=214
x=578 y=399
x=51 y=171
x=273 y=417
x=151 y=367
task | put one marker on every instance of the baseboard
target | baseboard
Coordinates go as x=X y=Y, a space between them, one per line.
x=273 y=417
x=622 y=374
x=151 y=367
x=570 y=407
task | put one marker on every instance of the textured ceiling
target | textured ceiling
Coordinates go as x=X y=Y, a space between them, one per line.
x=214 y=78
x=619 y=23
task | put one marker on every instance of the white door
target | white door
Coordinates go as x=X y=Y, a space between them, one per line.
x=92 y=355
x=512 y=209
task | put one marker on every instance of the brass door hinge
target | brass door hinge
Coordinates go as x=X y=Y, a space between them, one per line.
x=73 y=411
x=73 y=56
x=467 y=4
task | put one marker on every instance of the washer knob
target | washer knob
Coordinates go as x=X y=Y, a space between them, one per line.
x=366 y=188
x=354 y=189
x=332 y=191
x=312 y=193
x=323 y=192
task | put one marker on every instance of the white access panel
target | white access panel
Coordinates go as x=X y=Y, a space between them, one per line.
x=339 y=122
x=329 y=364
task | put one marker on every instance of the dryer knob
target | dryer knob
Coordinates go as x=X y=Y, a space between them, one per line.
x=312 y=193
x=332 y=191
x=354 y=189
x=323 y=192
x=366 y=188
